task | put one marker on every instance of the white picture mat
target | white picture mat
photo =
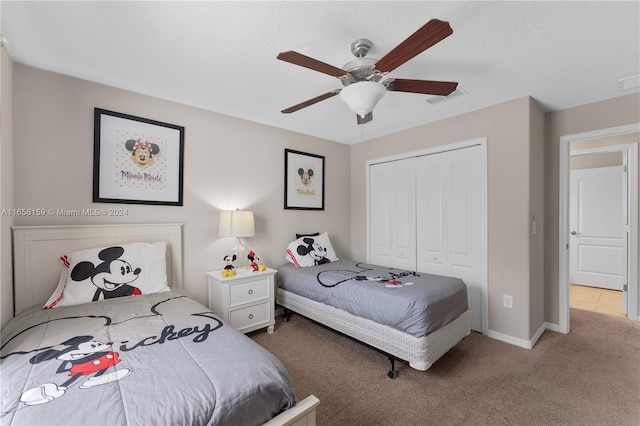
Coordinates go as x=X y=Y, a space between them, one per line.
x=300 y=195
x=112 y=130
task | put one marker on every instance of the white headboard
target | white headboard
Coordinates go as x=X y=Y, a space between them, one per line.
x=36 y=249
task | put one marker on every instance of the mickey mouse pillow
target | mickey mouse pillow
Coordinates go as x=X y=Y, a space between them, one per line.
x=110 y=272
x=310 y=251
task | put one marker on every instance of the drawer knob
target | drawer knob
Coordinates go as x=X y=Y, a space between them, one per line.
x=250 y=316
x=250 y=291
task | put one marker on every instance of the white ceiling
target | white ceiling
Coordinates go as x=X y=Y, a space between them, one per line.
x=221 y=56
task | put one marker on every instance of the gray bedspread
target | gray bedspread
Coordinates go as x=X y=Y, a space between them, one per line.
x=412 y=302
x=158 y=359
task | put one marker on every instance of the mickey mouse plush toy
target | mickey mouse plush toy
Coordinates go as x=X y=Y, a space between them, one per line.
x=228 y=270
x=142 y=152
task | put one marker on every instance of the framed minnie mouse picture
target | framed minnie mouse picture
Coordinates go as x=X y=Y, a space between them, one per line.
x=303 y=180
x=136 y=160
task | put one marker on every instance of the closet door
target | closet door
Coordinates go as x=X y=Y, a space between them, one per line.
x=449 y=220
x=392 y=214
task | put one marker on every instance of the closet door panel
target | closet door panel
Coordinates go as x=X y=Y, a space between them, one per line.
x=457 y=197
x=459 y=209
x=380 y=198
x=430 y=220
x=392 y=214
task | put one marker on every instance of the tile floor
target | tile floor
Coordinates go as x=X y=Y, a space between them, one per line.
x=596 y=299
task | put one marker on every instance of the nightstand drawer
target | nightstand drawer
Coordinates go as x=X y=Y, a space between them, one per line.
x=249 y=292
x=249 y=316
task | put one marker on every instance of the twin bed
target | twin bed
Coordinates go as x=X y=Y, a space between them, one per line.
x=157 y=358
x=163 y=358
x=411 y=316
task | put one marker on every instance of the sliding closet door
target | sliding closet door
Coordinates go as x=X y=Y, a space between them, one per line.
x=449 y=220
x=392 y=214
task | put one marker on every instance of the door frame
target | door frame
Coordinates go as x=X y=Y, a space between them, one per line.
x=563 y=220
x=598 y=150
x=482 y=142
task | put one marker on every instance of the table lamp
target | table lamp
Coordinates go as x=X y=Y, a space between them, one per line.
x=236 y=223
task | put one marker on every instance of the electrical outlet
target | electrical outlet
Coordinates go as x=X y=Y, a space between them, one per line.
x=507 y=301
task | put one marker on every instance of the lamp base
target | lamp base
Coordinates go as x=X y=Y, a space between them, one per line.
x=238 y=249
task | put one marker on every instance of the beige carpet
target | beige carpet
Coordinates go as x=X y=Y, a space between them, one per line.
x=588 y=377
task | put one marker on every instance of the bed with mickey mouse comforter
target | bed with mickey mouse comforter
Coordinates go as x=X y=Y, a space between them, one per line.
x=411 y=316
x=159 y=358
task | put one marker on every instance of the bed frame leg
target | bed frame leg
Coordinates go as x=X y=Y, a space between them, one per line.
x=392 y=373
x=287 y=314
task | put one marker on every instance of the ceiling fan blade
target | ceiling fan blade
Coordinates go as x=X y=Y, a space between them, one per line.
x=313 y=64
x=431 y=33
x=310 y=102
x=367 y=118
x=427 y=87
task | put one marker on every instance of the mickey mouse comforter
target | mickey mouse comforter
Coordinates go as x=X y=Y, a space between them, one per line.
x=412 y=302
x=158 y=359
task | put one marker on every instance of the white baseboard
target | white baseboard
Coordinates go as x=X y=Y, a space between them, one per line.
x=552 y=327
x=536 y=336
x=527 y=344
x=509 y=339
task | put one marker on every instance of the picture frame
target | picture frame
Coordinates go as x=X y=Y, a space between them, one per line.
x=137 y=160
x=303 y=180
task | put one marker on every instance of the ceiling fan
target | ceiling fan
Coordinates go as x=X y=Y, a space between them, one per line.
x=362 y=76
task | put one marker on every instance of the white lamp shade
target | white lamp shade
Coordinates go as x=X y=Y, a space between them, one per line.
x=361 y=97
x=236 y=223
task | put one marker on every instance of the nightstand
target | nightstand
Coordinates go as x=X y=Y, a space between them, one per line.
x=246 y=301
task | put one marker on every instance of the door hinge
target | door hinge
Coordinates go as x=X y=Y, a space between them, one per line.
x=626 y=168
x=625 y=288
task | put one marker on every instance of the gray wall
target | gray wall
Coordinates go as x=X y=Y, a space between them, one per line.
x=229 y=163
x=6 y=184
x=536 y=220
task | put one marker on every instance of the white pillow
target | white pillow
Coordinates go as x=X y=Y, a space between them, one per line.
x=109 y=272
x=310 y=251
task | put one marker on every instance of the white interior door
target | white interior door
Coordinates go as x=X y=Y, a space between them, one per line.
x=598 y=220
x=392 y=215
x=449 y=220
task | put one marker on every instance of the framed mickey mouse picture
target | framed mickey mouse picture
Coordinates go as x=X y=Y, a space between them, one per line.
x=136 y=160
x=303 y=180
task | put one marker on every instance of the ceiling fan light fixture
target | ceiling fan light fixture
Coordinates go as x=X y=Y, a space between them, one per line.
x=362 y=96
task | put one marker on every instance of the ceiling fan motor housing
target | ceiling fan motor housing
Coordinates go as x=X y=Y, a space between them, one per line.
x=361 y=69
x=360 y=47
